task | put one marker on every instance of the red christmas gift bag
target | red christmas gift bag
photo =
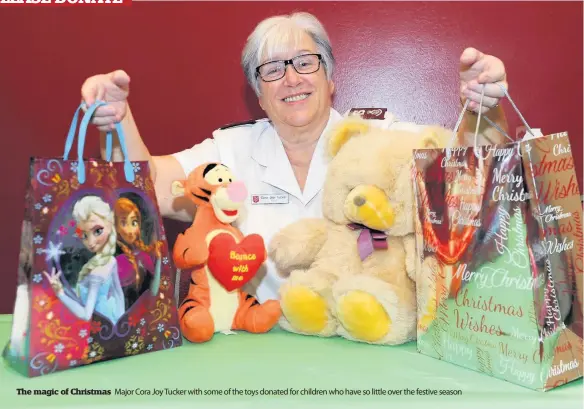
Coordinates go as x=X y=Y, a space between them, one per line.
x=95 y=278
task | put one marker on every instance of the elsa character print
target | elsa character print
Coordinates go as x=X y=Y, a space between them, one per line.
x=98 y=286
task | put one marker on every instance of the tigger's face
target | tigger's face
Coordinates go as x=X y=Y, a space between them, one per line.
x=214 y=185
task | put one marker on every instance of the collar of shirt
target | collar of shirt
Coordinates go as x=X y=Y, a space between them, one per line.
x=269 y=152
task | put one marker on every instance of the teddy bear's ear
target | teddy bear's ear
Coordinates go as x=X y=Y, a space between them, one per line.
x=435 y=138
x=345 y=130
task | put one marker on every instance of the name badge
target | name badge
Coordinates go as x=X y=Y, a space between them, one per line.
x=270 y=199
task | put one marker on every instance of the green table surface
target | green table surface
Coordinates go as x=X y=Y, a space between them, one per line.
x=284 y=361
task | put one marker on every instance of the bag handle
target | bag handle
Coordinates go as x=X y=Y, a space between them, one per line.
x=494 y=125
x=71 y=133
x=128 y=167
x=71 y=136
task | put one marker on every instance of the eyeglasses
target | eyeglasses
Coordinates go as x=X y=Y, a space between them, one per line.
x=303 y=64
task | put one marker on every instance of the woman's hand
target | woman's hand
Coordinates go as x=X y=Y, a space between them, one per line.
x=478 y=70
x=112 y=88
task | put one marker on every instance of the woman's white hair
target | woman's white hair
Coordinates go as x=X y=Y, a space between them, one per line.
x=82 y=211
x=280 y=34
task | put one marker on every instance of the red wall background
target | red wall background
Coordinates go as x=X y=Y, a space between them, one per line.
x=183 y=59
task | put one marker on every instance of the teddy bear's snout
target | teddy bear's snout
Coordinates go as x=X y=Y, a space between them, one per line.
x=369 y=205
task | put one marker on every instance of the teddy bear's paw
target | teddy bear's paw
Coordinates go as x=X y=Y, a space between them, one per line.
x=297 y=245
x=374 y=311
x=363 y=316
x=305 y=311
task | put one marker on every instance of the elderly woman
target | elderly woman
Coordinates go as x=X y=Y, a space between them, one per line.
x=288 y=61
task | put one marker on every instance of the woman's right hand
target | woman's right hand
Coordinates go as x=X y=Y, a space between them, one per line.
x=112 y=88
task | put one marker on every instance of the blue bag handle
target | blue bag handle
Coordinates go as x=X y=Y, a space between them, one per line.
x=108 y=146
x=128 y=167
x=71 y=133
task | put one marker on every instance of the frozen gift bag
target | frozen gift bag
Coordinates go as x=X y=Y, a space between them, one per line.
x=95 y=279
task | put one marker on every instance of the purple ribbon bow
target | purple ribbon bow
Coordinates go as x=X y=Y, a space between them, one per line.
x=369 y=240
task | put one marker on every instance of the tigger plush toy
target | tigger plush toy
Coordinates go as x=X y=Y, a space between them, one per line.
x=221 y=259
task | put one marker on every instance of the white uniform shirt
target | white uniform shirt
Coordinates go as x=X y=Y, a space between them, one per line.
x=255 y=155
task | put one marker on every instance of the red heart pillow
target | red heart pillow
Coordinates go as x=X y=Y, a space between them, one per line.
x=234 y=264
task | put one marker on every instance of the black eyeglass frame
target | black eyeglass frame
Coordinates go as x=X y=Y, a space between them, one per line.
x=286 y=63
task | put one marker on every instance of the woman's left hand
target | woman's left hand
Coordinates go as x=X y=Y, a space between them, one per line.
x=478 y=70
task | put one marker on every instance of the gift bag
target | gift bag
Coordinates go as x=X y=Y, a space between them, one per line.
x=95 y=278
x=499 y=246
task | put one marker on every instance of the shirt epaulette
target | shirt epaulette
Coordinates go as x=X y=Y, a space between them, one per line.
x=236 y=124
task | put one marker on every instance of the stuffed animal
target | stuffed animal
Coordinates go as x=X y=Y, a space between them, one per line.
x=352 y=273
x=222 y=260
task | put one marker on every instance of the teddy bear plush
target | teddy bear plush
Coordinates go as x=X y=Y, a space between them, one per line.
x=352 y=272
